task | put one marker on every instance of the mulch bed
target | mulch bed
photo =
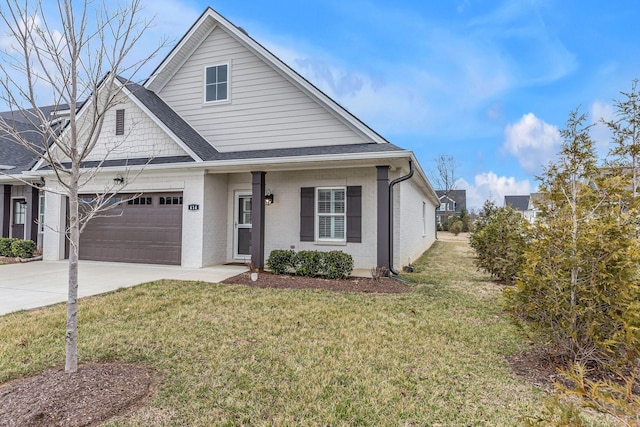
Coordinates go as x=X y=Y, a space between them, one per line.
x=9 y=260
x=352 y=284
x=96 y=393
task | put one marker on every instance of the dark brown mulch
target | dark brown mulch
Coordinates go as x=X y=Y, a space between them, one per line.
x=96 y=393
x=541 y=367
x=9 y=260
x=538 y=367
x=352 y=284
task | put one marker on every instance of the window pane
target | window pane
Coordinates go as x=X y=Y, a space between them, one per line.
x=324 y=227
x=216 y=83
x=331 y=201
x=324 y=201
x=211 y=75
x=338 y=227
x=331 y=227
x=222 y=91
x=222 y=73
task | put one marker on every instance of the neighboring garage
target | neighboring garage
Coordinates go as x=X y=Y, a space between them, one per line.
x=146 y=229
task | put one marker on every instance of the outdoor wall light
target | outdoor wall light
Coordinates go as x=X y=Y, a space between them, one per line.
x=118 y=180
x=268 y=197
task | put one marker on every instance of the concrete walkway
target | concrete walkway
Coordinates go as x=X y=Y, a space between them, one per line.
x=40 y=283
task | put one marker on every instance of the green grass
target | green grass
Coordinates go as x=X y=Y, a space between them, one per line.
x=235 y=355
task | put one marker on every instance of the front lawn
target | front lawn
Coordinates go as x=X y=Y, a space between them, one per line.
x=236 y=355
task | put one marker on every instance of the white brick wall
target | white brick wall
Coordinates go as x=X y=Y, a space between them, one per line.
x=282 y=219
x=208 y=234
x=413 y=235
x=142 y=136
x=215 y=219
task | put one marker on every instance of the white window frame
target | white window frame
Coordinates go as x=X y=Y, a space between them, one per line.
x=41 y=208
x=318 y=215
x=205 y=84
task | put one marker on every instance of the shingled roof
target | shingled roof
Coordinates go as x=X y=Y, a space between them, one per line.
x=171 y=120
x=207 y=152
x=14 y=157
x=519 y=203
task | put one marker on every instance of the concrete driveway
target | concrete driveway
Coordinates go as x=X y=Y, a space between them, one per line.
x=40 y=283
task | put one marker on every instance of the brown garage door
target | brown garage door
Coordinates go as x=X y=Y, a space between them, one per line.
x=147 y=229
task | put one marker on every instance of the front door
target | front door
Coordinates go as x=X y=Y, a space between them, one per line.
x=243 y=226
x=19 y=218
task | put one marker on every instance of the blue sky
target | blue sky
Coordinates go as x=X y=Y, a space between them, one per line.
x=487 y=82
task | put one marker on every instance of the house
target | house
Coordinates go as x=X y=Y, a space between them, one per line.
x=525 y=205
x=228 y=154
x=451 y=204
x=21 y=204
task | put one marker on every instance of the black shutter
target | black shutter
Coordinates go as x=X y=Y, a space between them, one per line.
x=307 y=214
x=354 y=214
x=119 y=122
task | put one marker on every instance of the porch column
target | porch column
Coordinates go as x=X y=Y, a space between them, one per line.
x=257 y=219
x=31 y=221
x=383 y=216
x=5 y=210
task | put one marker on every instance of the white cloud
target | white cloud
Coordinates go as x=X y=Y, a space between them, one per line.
x=532 y=141
x=600 y=133
x=489 y=186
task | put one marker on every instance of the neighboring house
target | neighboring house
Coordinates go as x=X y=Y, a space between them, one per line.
x=233 y=154
x=524 y=205
x=452 y=202
x=21 y=204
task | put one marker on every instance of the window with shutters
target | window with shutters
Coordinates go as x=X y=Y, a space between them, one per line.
x=331 y=213
x=216 y=83
x=119 y=122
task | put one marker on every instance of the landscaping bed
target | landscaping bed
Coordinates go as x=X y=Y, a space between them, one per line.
x=352 y=284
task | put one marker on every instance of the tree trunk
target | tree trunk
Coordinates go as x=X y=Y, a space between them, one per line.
x=71 y=364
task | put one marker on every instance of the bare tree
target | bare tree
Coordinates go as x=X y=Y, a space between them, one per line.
x=444 y=175
x=626 y=133
x=75 y=56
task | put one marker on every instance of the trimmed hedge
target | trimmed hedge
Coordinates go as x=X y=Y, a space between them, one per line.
x=5 y=246
x=309 y=263
x=332 y=264
x=337 y=264
x=281 y=261
x=12 y=247
x=23 y=248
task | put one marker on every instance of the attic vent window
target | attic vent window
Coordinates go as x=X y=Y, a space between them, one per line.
x=119 y=122
x=216 y=83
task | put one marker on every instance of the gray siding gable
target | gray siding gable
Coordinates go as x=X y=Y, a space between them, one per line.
x=270 y=107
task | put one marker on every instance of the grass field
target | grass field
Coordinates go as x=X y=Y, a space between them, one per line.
x=234 y=355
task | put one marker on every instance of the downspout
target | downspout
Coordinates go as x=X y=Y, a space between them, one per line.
x=391 y=184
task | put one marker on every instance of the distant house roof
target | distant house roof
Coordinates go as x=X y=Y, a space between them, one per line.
x=26 y=123
x=518 y=203
x=458 y=196
x=15 y=158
